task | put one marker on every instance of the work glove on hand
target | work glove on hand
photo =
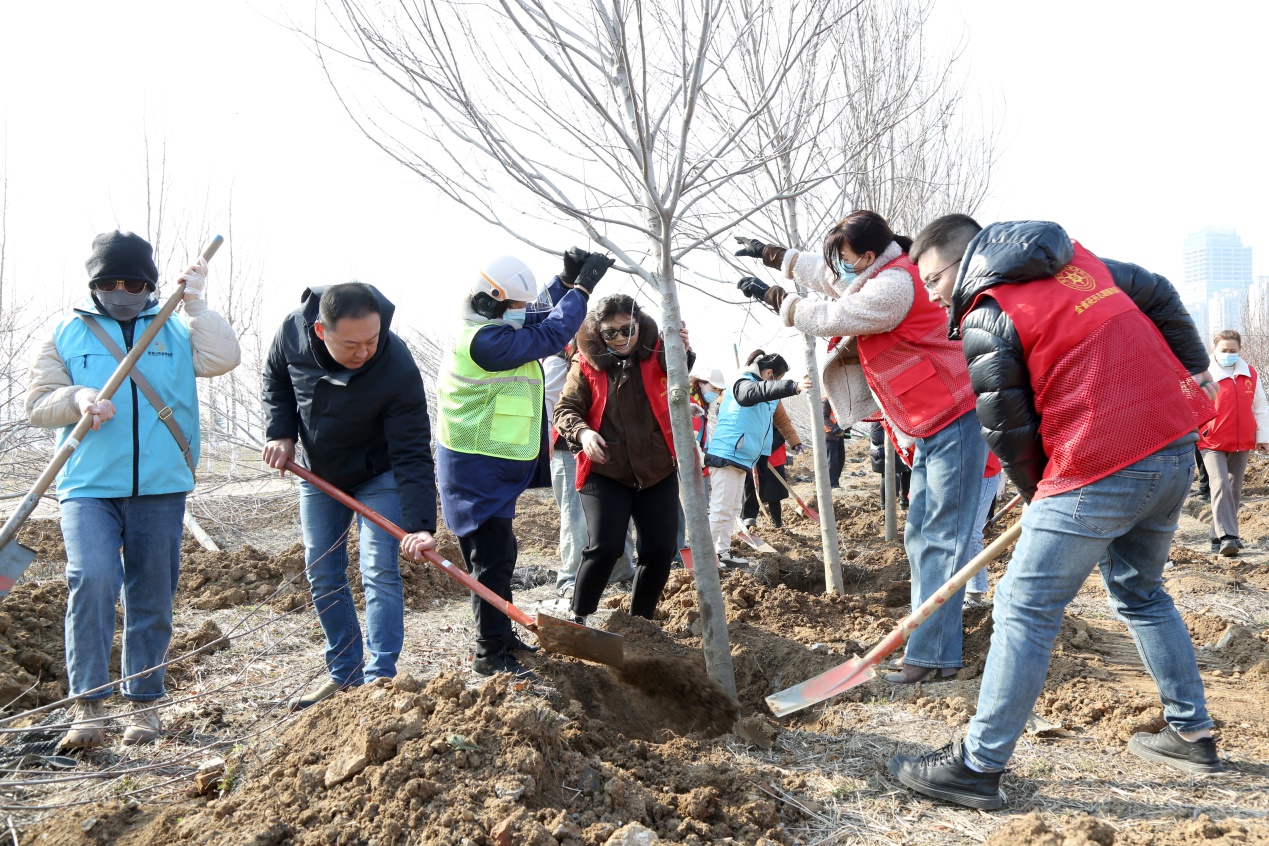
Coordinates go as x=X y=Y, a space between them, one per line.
x=772 y=255
x=574 y=258
x=796 y=449
x=772 y=295
x=593 y=269
x=195 y=281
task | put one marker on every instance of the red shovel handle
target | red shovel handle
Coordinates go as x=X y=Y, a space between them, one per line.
x=456 y=573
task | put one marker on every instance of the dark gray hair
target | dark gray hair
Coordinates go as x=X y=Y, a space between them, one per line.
x=949 y=234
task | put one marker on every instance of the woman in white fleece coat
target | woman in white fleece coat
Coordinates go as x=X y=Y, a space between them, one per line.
x=889 y=345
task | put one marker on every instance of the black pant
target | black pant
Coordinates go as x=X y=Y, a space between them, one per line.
x=836 y=461
x=490 y=553
x=609 y=506
x=902 y=481
x=1204 y=487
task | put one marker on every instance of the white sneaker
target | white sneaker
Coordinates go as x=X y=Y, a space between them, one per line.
x=975 y=599
x=732 y=562
x=143 y=725
x=88 y=719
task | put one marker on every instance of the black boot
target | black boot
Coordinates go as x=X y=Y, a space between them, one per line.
x=492 y=658
x=944 y=775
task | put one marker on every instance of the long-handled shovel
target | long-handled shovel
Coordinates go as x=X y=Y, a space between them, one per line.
x=810 y=512
x=1005 y=509
x=554 y=634
x=14 y=557
x=859 y=670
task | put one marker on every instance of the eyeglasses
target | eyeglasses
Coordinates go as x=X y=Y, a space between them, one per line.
x=108 y=285
x=619 y=332
x=934 y=279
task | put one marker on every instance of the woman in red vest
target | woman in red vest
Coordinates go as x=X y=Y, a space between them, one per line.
x=890 y=342
x=1241 y=424
x=614 y=414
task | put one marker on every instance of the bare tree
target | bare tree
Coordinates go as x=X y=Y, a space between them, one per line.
x=538 y=116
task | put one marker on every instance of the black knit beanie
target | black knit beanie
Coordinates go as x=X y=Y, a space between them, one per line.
x=122 y=255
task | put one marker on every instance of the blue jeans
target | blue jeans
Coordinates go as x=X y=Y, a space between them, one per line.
x=148 y=531
x=573 y=524
x=325 y=523
x=986 y=496
x=1126 y=522
x=947 y=477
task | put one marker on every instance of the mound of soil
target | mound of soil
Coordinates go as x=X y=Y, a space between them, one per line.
x=392 y=763
x=1256 y=479
x=1032 y=830
x=32 y=655
x=214 y=580
x=45 y=537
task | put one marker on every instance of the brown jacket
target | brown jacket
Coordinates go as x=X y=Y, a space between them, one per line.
x=638 y=455
x=785 y=425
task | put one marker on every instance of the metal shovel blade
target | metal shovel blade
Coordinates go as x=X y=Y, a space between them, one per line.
x=14 y=559
x=566 y=638
x=824 y=686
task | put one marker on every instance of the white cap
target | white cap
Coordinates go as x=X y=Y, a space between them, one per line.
x=507 y=278
x=717 y=378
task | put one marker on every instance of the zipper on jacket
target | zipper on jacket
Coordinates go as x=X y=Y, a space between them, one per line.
x=127 y=329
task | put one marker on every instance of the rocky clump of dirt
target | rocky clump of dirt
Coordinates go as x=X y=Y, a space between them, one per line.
x=32 y=656
x=395 y=762
x=1032 y=830
x=45 y=537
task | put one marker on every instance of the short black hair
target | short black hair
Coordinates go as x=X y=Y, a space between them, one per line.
x=949 y=234
x=348 y=299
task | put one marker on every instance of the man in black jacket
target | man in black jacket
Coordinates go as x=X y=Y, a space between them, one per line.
x=348 y=388
x=1082 y=369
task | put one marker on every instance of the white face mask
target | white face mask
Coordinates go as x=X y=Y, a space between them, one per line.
x=121 y=305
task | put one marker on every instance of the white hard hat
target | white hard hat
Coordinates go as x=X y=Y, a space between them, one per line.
x=507 y=278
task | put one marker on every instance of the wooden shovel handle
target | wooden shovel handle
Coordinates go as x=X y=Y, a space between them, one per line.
x=455 y=573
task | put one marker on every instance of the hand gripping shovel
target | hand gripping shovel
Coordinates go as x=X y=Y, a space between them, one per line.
x=14 y=557
x=859 y=670
x=554 y=634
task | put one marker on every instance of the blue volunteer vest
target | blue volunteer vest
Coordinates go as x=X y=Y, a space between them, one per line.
x=131 y=454
x=742 y=434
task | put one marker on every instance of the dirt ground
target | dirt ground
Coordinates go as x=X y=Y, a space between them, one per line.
x=589 y=755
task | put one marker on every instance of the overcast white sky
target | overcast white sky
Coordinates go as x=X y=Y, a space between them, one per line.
x=1131 y=123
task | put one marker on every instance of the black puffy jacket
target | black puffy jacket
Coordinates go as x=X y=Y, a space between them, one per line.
x=1024 y=251
x=354 y=424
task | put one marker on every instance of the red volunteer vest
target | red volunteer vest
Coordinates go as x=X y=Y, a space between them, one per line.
x=1234 y=427
x=1107 y=388
x=919 y=375
x=654 y=385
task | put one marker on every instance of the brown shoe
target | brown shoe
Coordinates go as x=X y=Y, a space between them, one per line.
x=88 y=721
x=911 y=674
x=143 y=724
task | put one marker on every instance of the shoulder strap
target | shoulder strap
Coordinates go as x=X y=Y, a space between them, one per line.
x=151 y=395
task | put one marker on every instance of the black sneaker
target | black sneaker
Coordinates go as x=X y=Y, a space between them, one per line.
x=514 y=644
x=1216 y=545
x=1229 y=546
x=943 y=775
x=1168 y=747
x=502 y=662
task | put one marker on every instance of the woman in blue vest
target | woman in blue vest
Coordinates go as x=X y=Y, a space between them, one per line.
x=124 y=487
x=491 y=397
x=746 y=416
x=614 y=413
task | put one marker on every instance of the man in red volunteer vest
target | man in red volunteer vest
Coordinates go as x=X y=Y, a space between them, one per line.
x=1225 y=443
x=1082 y=368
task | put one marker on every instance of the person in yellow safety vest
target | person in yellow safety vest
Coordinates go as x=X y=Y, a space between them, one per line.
x=493 y=428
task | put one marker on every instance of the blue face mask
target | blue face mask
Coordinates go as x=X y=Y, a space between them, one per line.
x=1227 y=359
x=845 y=271
x=710 y=396
x=515 y=315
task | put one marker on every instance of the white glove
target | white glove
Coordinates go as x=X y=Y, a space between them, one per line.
x=195 y=280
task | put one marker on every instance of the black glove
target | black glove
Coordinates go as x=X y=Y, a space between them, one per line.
x=754 y=287
x=573 y=261
x=593 y=269
x=750 y=247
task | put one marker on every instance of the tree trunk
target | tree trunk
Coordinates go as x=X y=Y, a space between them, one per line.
x=823 y=484
x=892 y=491
x=709 y=589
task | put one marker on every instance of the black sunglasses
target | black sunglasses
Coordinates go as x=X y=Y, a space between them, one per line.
x=108 y=285
x=621 y=331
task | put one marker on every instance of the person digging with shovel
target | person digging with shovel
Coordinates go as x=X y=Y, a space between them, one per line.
x=338 y=379
x=124 y=487
x=493 y=429
x=1102 y=445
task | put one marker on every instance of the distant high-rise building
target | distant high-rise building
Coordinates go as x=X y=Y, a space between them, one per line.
x=1217 y=278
